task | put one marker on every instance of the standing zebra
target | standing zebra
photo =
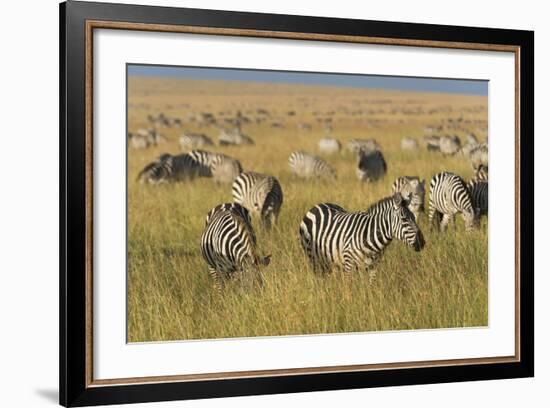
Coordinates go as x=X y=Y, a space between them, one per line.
x=332 y=236
x=228 y=244
x=168 y=168
x=222 y=168
x=371 y=165
x=413 y=190
x=260 y=194
x=479 y=190
x=307 y=165
x=450 y=195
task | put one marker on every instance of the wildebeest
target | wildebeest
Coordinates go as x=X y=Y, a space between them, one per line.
x=371 y=165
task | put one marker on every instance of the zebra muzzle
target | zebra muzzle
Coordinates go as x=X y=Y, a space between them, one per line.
x=419 y=242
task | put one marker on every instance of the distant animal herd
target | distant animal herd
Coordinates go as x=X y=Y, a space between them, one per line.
x=329 y=235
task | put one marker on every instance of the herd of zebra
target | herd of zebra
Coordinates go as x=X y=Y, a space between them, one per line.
x=329 y=235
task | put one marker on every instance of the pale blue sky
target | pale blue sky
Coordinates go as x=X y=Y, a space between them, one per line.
x=443 y=85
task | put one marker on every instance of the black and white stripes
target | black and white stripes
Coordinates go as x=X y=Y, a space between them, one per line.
x=260 y=194
x=228 y=244
x=331 y=236
x=449 y=195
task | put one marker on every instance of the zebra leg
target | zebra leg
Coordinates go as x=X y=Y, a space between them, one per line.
x=218 y=281
x=445 y=221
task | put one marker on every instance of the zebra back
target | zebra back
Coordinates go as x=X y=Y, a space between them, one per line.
x=307 y=165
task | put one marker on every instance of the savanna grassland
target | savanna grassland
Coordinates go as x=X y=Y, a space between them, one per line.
x=170 y=293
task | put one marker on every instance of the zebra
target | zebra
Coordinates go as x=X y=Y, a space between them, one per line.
x=234 y=137
x=356 y=145
x=432 y=143
x=371 y=165
x=331 y=236
x=413 y=190
x=329 y=145
x=260 y=194
x=190 y=141
x=482 y=173
x=228 y=244
x=168 y=168
x=479 y=191
x=223 y=168
x=449 y=195
x=479 y=155
x=449 y=145
x=408 y=143
x=307 y=165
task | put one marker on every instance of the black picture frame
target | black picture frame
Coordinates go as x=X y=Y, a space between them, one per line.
x=75 y=389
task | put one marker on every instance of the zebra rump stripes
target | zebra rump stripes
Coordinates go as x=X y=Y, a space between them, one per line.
x=260 y=194
x=479 y=190
x=228 y=244
x=450 y=195
x=331 y=236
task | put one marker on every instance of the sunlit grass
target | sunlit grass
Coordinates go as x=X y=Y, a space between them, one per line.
x=171 y=295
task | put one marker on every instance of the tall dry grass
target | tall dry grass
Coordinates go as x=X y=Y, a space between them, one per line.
x=170 y=293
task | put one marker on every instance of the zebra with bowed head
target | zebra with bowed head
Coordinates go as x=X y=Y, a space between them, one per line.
x=168 y=168
x=479 y=190
x=413 y=190
x=228 y=244
x=450 y=195
x=260 y=194
x=331 y=236
x=307 y=165
x=222 y=168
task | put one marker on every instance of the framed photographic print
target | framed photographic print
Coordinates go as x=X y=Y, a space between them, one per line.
x=256 y=203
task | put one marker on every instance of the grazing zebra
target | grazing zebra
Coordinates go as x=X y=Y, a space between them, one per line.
x=228 y=244
x=479 y=155
x=450 y=195
x=332 y=236
x=307 y=165
x=222 y=168
x=190 y=141
x=432 y=143
x=168 y=168
x=479 y=191
x=234 y=137
x=260 y=194
x=408 y=143
x=371 y=165
x=482 y=173
x=329 y=145
x=356 y=145
x=413 y=190
x=449 y=145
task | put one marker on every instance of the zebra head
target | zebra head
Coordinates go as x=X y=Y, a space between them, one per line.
x=472 y=218
x=404 y=226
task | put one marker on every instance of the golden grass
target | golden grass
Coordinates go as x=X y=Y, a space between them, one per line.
x=171 y=295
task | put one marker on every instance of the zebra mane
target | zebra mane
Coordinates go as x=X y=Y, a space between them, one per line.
x=385 y=203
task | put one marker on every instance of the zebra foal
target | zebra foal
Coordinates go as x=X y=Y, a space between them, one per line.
x=228 y=245
x=331 y=236
x=260 y=194
x=449 y=195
